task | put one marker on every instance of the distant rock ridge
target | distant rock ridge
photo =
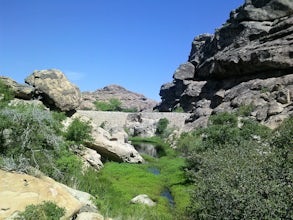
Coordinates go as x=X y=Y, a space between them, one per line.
x=129 y=100
x=248 y=61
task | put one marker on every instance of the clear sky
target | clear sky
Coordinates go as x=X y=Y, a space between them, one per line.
x=137 y=44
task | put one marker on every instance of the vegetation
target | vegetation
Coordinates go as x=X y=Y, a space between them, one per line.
x=162 y=126
x=230 y=170
x=114 y=181
x=31 y=136
x=78 y=131
x=239 y=172
x=6 y=94
x=45 y=211
x=112 y=105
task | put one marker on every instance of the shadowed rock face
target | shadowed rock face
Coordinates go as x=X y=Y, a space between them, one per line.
x=55 y=90
x=239 y=65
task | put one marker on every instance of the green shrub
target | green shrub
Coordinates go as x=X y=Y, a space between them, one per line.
x=240 y=176
x=162 y=126
x=6 y=94
x=30 y=133
x=45 y=211
x=111 y=105
x=78 y=131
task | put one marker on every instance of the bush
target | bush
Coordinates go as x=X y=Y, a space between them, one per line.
x=31 y=133
x=79 y=131
x=162 y=126
x=6 y=94
x=240 y=176
x=45 y=211
x=112 y=105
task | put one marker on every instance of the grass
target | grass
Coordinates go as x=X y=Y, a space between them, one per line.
x=118 y=183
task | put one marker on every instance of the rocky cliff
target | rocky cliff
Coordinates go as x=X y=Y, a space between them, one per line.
x=129 y=100
x=246 y=62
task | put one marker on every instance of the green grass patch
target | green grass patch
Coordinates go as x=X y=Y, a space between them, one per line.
x=118 y=183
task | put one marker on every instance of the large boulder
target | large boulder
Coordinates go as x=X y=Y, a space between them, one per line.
x=248 y=61
x=20 y=190
x=55 y=90
x=111 y=148
x=111 y=145
x=20 y=91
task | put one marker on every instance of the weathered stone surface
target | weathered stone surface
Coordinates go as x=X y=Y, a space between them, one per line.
x=90 y=216
x=20 y=91
x=248 y=61
x=256 y=38
x=112 y=146
x=55 y=90
x=112 y=149
x=20 y=190
x=143 y=199
x=129 y=100
x=90 y=158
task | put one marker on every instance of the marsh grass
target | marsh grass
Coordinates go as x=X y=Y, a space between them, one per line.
x=118 y=183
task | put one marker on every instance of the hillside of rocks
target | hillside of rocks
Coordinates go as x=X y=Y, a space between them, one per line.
x=246 y=62
x=129 y=99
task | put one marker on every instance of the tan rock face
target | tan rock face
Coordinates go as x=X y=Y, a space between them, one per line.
x=20 y=190
x=55 y=89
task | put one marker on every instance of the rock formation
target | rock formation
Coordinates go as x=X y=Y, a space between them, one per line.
x=21 y=190
x=20 y=91
x=111 y=145
x=248 y=61
x=54 y=90
x=129 y=100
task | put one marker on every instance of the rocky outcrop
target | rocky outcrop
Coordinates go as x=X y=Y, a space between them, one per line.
x=20 y=190
x=111 y=148
x=129 y=100
x=248 y=61
x=20 y=91
x=111 y=145
x=54 y=90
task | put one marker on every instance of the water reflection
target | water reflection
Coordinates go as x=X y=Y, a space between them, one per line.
x=146 y=148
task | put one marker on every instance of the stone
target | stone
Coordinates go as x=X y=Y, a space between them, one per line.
x=90 y=158
x=113 y=150
x=20 y=190
x=143 y=199
x=184 y=72
x=247 y=61
x=54 y=89
x=275 y=108
x=20 y=91
x=112 y=146
x=89 y=216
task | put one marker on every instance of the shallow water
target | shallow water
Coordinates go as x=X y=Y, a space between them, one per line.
x=167 y=194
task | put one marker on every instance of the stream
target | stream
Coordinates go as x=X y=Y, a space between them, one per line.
x=151 y=150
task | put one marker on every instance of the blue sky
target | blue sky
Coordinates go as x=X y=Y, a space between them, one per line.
x=137 y=44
